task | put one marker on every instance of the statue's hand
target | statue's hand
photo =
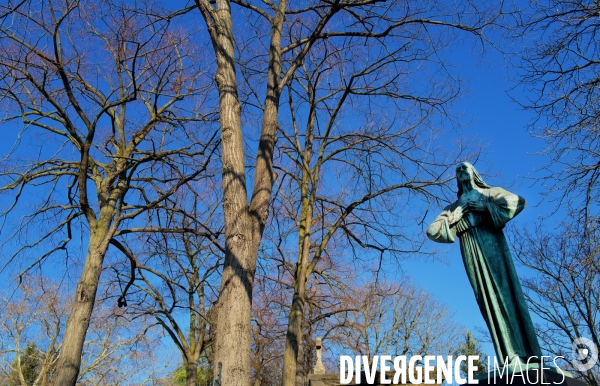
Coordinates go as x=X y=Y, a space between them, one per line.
x=457 y=214
x=474 y=206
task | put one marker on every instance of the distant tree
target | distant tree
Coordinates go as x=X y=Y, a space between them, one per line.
x=175 y=281
x=203 y=376
x=268 y=331
x=471 y=347
x=565 y=290
x=326 y=303
x=399 y=319
x=25 y=368
x=32 y=325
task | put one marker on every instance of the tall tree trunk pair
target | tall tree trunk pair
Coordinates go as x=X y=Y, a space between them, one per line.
x=244 y=223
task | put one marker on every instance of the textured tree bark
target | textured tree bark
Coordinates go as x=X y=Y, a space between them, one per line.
x=235 y=296
x=69 y=361
x=191 y=373
x=244 y=223
x=293 y=369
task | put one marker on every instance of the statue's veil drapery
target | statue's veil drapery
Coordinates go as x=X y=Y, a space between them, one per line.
x=476 y=179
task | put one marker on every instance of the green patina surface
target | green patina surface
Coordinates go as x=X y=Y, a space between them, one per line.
x=477 y=218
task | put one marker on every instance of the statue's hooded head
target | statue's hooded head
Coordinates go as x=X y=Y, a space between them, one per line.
x=477 y=180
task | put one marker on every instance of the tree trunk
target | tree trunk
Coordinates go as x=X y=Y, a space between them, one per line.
x=293 y=355
x=293 y=369
x=191 y=373
x=244 y=223
x=78 y=322
x=232 y=343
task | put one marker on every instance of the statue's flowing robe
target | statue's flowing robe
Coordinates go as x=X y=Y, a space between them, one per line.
x=491 y=270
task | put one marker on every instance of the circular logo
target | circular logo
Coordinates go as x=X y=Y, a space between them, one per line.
x=584 y=355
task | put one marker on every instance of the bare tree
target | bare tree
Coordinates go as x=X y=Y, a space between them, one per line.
x=565 y=290
x=398 y=320
x=177 y=275
x=108 y=103
x=268 y=331
x=33 y=323
x=270 y=63
x=326 y=300
x=351 y=166
x=378 y=319
x=22 y=313
x=560 y=71
x=9 y=8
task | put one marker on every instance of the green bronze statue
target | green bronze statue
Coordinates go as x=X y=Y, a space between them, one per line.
x=477 y=218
